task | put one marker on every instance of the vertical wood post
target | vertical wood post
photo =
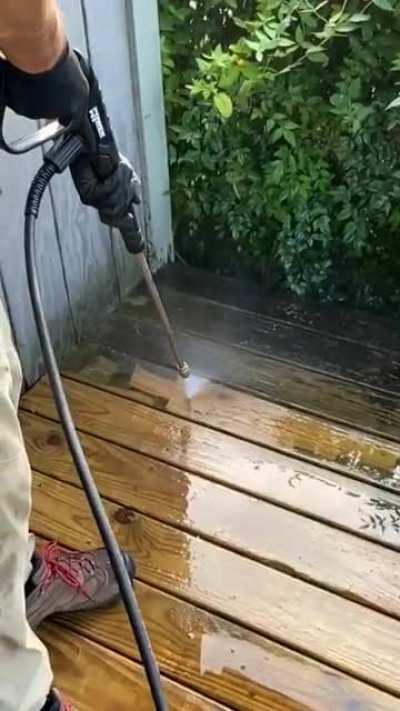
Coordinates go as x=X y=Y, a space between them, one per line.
x=144 y=36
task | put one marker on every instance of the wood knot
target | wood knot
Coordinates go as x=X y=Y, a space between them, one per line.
x=125 y=516
x=55 y=440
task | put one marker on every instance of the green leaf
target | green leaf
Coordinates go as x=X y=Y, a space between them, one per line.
x=290 y=125
x=299 y=35
x=250 y=71
x=318 y=57
x=354 y=88
x=229 y=77
x=383 y=4
x=347 y=27
x=285 y=42
x=313 y=48
x=359 y=17
x=252 y=44
x=256 y=114
x=289 y=138
x=336 y=17
x=277 y=173
x=223 y=104
x=394 y=104
x=277 y=135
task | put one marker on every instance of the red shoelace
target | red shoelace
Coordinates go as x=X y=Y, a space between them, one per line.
x=65 y=706
x=70 y=567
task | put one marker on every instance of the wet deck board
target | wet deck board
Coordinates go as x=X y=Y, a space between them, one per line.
x=241 y=414
x=343 y=401
x=315 y=351
x=199 y=449
x=263 y=513
x=225 y=661
x=79 y=663
x=232 y=519
x=329 y=628
x=349 y=324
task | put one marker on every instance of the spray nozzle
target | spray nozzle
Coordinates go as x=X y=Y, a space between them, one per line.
x=184 y=370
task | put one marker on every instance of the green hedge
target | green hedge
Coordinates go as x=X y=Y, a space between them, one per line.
x=284 y=135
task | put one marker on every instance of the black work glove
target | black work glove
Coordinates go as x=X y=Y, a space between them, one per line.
x=113 y=197
x=61 y=93
x=103 y=178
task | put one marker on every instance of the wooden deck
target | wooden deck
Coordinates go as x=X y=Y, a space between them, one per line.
x=261 y=503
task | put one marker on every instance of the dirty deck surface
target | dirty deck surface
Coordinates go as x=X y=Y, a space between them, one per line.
x=261 y=502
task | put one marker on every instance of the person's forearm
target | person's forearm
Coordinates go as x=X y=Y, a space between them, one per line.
x=32 y=35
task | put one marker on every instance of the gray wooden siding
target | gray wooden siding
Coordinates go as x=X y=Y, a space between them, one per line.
x=84 y=268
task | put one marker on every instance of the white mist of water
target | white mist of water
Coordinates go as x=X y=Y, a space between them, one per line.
x=193 y=386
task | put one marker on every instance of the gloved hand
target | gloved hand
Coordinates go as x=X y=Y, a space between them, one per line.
x=113 y=197
x=70 y=92
x=61 y=93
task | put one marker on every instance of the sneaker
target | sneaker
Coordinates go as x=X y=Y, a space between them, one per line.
x=66 y=581
x=56 y=703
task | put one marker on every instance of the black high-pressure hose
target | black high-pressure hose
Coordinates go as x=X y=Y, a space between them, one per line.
x=56 y=161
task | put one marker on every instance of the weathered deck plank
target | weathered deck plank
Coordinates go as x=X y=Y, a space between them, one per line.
x=357 y=325
x=315 y=351
x=344 y=401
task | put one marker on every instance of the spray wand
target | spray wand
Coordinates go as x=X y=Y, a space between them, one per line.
x=95 y=139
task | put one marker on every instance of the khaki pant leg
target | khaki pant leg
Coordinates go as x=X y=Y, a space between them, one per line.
x=25 y=676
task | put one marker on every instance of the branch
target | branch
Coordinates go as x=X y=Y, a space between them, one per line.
x=321 y=46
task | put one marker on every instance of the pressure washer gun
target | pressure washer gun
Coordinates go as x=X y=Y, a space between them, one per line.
x=95 y=139
x=92 y=138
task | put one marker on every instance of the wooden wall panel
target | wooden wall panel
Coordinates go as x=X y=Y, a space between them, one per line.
x=109 y=52
x=16 y=174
